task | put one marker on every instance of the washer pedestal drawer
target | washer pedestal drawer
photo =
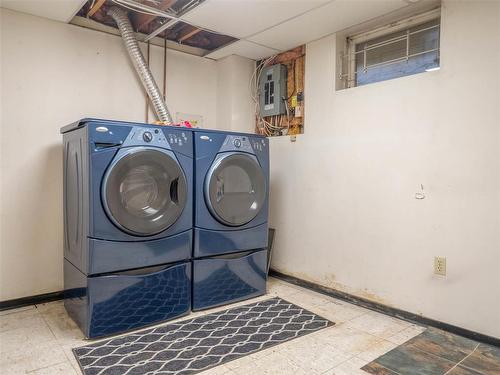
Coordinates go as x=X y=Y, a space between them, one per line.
x=112 y=303
x=228 y=278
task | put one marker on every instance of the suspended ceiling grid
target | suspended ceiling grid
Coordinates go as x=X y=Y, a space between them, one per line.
x=218 y=28
x=180 y=32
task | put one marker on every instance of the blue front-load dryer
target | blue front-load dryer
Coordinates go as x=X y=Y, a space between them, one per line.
x=231 y=217
x=128 y=206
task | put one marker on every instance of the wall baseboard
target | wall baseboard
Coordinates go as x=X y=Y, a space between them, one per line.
x=31 y=300
x=397 y=313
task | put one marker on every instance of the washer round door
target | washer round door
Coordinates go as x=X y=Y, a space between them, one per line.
x=144 y=190
x=235 y=188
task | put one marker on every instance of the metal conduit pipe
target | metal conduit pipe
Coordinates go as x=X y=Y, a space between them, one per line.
x=122 y=21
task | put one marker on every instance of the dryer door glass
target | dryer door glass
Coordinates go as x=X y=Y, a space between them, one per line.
x=144 y=191
x=235 y=188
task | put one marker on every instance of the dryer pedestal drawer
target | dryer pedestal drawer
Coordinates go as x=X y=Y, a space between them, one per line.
x=111 y=256
x=210 y=242
x=229 y=278
x=112 y=303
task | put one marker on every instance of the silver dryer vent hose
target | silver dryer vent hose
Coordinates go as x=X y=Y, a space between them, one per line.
x=122 y=21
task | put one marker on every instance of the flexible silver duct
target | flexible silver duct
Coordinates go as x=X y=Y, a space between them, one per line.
x=122 y=21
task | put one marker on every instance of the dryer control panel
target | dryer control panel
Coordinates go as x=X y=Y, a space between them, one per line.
x=177 y=138
x=259 y=144
x=143 y=136
x=237 y=143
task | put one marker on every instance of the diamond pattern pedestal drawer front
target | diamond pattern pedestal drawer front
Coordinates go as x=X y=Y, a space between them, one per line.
x=127 y=300
x=230 y=278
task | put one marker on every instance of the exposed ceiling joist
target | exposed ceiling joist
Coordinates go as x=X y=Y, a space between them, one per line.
x=143 y=20
x=98 y=4
x=190 y=32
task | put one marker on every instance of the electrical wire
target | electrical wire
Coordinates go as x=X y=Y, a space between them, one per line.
x=268 y=127
x=294 y=83
x=91 y=5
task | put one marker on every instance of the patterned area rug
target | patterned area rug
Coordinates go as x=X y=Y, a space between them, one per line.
x=195 y=345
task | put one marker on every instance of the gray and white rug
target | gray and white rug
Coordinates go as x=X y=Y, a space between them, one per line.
x=195 y=345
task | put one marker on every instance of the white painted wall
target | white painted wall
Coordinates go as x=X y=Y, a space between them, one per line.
x=53 y=74
x=235 y=108
x=343 y=196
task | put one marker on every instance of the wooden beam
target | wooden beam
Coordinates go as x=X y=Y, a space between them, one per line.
x=292 y=54
x=143 y=20
x=188 y=34
x=98 y=4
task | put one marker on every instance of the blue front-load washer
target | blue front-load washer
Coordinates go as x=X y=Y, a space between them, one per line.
x=127 y=223
x=231 y=217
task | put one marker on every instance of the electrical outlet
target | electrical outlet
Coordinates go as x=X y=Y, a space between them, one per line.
x=440 y=266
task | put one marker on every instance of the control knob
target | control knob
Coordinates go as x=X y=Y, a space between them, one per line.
x=147 y=136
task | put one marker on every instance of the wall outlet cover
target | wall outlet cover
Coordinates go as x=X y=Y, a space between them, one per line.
x=440 y=266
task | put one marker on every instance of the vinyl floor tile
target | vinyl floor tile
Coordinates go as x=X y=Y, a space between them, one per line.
x=64 y=368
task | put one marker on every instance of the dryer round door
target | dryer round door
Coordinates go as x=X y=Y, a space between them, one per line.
x=144 y=190
x=235 y=188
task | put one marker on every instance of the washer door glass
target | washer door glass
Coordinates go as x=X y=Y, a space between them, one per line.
x=235 y=188
x=144 y=191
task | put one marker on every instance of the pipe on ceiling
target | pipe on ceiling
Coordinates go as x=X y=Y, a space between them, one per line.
x=122 y=21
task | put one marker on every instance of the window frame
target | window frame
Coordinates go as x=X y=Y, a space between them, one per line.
x=407 y=23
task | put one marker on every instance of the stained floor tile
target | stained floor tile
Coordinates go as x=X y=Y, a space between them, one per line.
x=379 y=325
x=443 y=344
x=347 y=339
x=406 y=334
x=21 y=319
x=409 y=360
x=485 y=359
x=378 y=369
x=350 y=367
x=62 y=368
x=17 y=310
x=459 y=370
x=377 y=349
x=312 y=354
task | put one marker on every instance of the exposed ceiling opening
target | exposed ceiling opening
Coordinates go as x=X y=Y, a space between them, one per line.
x=156 y=19
x=219 y=28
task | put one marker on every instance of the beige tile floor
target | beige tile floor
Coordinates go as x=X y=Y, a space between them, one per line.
x=38 y=339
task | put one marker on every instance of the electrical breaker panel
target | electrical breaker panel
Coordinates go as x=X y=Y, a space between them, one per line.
x=272 y=90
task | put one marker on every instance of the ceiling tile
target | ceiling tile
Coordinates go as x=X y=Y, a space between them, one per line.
x=242 y=18
x=325 y=20
x=243 y=48
x=58 y=10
